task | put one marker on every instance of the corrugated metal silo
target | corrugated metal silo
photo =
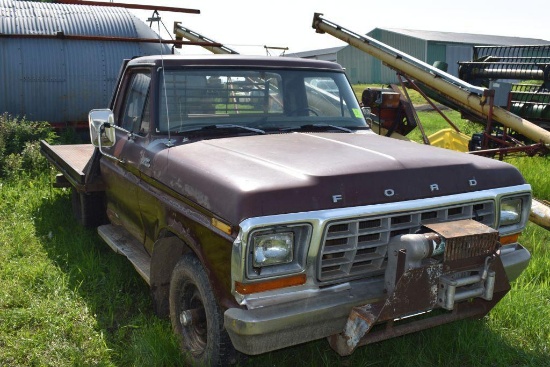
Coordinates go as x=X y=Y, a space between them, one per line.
x=60 y=80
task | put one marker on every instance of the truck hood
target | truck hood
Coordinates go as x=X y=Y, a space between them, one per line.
x=249 y=176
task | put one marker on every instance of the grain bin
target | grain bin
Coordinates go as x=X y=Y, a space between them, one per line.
x=59 y=79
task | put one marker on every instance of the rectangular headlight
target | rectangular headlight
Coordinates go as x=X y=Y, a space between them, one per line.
x=277 y=250
x=510 y=211
x=513 y=213
x=273 y=249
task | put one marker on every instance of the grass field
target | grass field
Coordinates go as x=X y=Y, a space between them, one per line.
x=67 y=300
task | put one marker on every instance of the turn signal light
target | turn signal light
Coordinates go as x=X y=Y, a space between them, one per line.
x=506 y=240
x=270 y=284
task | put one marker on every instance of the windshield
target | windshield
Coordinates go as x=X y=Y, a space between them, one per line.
x=263 y=99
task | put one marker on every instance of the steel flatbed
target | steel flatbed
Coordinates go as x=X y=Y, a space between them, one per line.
x=76 y=164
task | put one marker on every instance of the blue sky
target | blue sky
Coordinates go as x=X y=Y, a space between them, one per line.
x=248 y=25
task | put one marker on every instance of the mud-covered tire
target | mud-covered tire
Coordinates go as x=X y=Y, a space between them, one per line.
x=203 y=342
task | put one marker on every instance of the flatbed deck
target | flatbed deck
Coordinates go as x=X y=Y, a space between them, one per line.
x=72 y=161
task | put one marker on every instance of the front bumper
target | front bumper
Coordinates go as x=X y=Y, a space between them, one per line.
x=261 y=330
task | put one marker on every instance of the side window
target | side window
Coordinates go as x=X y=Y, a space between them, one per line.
x=135 y=115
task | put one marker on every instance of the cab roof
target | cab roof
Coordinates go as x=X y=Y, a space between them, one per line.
x=234 y=61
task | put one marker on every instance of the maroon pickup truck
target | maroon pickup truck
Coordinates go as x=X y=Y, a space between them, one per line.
x=251 y=195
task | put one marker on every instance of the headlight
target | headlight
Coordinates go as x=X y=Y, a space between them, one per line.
x=513 y=214
x=272 y=249
x=510 y=211
x=277 y=250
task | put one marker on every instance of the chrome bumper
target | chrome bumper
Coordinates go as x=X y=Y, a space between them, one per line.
x=278 y=326
x=515 y=259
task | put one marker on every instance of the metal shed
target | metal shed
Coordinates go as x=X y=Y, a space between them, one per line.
x=59 y=79
x=327 y=54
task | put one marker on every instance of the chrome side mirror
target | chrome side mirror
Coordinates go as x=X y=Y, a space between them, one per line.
x=102 y=130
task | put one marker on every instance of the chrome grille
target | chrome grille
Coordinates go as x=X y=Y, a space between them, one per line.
x=357 y=247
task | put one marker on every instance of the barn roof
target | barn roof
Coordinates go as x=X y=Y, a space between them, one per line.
x=308 y=54
x=30 y=17
x=468 y=38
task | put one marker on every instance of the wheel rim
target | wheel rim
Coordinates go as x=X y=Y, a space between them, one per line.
x=194 y=334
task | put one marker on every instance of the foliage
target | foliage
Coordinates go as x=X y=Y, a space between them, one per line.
x=19 y=146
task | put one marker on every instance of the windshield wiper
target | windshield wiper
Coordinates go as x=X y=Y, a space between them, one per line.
x=318 y=126
x=223 y=126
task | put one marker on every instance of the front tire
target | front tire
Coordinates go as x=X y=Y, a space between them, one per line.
x=196 y=318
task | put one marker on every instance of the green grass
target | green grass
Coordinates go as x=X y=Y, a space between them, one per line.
x=67 y=300
x=432 y=122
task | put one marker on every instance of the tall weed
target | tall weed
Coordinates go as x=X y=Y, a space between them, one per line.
x=19 y=146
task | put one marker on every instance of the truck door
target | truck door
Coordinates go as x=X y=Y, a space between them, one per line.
x=122 y=177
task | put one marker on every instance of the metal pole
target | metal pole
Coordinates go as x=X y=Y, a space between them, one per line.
x=130 y=6
x=61 y=35
x=418 y=122
x=416 y=88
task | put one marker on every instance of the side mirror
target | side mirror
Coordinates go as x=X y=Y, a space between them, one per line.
x=102 y=132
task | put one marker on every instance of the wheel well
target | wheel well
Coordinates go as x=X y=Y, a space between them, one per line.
x=167 y=251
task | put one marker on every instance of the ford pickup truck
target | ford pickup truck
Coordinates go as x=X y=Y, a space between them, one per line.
x=253 y=198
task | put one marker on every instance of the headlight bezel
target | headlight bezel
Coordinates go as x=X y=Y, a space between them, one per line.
x=301 y=234
x=510 y=206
